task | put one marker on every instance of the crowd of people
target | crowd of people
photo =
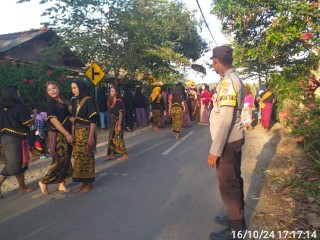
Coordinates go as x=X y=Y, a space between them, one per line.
x=72 y=124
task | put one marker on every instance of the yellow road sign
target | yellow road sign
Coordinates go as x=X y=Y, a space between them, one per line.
x=94 y=73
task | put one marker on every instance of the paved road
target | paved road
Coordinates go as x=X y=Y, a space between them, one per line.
x=164 y=191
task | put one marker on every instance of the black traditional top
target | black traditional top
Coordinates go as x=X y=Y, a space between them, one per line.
x=157 y=103
x=268 y=99
x=84 y=111
x=14 y=120
x=116 y=108
x=60 y=111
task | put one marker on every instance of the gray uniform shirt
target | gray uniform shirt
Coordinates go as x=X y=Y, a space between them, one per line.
x=225 y=123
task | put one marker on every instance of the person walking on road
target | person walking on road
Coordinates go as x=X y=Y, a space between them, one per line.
x=116 y=143
x=177 y=111
x=227 y=139
x=156 y=103
x=205 y=103
x=15 y=125
x=246 y=114
x=60 y=140
x=85 y=115
x=266 y=100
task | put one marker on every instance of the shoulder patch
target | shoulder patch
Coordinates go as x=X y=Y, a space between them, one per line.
x=227 y=95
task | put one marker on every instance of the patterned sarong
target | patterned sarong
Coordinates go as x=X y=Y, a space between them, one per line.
x=84 y=162
x=61 y=166
x=176 y=114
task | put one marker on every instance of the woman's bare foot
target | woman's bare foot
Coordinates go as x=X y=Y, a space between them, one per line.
x=82 y=186
x=87 y=189
x=26 y=189
x=110 y=157
x=43 y=188
x=124 y=157
x=63 y=188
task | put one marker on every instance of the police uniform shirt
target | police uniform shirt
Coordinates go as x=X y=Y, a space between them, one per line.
x=225 y=123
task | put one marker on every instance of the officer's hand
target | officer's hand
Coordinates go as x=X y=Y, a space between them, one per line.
x=212 y=160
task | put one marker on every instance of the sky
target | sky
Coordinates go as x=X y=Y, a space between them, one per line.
x=22 y=17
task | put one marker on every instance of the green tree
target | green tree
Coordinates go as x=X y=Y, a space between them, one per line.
x=267 y=34
x=157 y=37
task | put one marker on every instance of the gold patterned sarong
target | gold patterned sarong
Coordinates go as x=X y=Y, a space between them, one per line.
x=156 y=116
x=61 y=167
x=176 y=115
x=84 y=162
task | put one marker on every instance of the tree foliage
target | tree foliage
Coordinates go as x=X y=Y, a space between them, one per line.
x=279 y=41
x=151 y=36
x=267 y=34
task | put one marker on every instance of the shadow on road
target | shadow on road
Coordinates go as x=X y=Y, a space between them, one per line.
x=258 y=175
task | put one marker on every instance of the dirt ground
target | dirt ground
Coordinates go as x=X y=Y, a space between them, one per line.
x=289 y=185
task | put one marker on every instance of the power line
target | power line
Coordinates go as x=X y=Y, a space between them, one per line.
x=205 y=21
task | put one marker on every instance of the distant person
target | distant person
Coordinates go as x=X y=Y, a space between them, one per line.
x=227 y=140
x=140 y=106
x=205 y=104
x=246 y=114
x=192 y=101
x=260 y=90
x=15 y=125
x=61 y=140
x=165 y=105
x=177 y=111
x=116 y=143
x=156 y=102
x=128 y=106
x=266 y=100
x=186 y=122
x=84 y=118
x=102 y=105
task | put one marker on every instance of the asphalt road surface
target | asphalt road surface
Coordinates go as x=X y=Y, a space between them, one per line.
x=163 y=191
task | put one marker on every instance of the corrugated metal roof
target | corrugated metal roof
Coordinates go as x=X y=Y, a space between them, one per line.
x=11 y=40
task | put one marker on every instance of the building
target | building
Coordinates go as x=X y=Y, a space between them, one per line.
x=28 y=47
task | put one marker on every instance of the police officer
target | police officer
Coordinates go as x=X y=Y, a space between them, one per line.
x=227 y=139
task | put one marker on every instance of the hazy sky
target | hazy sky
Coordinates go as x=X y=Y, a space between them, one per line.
x=21 y=17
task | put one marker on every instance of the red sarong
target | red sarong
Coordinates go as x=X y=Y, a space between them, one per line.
x=266 y=115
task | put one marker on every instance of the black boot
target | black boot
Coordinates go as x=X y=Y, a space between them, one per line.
x=222 y=219
x=234 y=231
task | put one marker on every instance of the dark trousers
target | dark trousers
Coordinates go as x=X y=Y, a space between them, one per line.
x=230 y=180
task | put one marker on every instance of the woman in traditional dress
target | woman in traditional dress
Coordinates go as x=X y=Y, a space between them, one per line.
x=191 y=102
x=186 y=122
x=116 y=143
x=246 y=114
x=177 y=111
x=85 y=117
x=15 y=124
x=205 y=101
x=165 y=108
x=60 y=137
x=156 y=102
x=266 y=100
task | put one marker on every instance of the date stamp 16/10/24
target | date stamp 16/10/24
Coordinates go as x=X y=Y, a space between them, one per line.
x=264 y=234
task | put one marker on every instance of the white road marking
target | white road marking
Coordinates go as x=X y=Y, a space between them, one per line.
x=177 y=143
